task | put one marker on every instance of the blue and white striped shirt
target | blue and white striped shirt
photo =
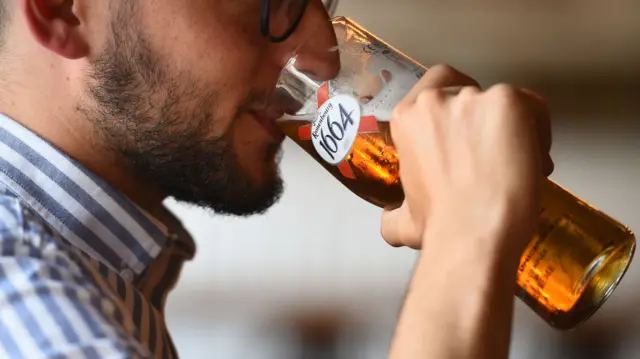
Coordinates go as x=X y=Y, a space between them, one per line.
x=84 y=272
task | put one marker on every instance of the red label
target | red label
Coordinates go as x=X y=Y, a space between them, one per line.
x=368 y=124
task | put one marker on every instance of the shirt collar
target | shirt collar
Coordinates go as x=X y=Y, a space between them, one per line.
x=84 y=208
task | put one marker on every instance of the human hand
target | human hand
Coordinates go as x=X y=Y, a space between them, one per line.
x=469 y=158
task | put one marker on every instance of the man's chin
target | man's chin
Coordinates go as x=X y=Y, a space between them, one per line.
x=244 y=199
x=247 y=206
x=225 y=185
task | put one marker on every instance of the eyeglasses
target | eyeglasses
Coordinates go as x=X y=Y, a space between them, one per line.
x=280 y=18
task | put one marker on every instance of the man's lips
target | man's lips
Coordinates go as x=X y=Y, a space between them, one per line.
x=268 y=122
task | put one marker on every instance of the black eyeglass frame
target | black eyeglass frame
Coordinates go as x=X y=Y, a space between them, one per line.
x=265 y=21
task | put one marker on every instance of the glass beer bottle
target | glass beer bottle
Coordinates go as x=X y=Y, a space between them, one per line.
x=572 y=264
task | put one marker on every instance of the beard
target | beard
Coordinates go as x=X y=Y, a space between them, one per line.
x=158 y=124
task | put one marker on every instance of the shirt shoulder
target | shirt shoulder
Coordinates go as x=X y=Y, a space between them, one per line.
x=19 y=222
x=54 y=303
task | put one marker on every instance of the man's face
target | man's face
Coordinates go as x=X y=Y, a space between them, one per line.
x=180 y=92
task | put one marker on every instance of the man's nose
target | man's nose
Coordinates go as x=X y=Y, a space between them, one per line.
x=316 y=58
x=315 y=39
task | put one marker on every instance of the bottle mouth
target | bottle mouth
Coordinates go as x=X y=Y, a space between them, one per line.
x=299 y=79
x=294 y=92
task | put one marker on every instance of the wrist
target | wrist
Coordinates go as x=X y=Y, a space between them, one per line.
x=460 y=300
x=497 y=233
x=470 y=255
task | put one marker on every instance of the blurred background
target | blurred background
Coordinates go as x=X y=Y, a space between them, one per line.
x=313 y=279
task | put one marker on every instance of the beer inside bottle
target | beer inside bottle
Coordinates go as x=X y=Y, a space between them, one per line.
x=570 y=267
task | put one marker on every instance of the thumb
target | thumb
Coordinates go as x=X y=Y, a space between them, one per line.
x=398 y=228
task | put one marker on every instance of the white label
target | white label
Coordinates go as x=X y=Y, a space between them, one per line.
x=336 y=127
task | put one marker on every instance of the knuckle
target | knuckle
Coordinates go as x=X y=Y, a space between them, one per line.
x=468 y=92
x=507 y=100
x=504 y=92
x=446 y=75
x=443 y=69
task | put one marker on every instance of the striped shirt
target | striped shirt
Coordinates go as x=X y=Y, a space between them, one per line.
x=84 y=272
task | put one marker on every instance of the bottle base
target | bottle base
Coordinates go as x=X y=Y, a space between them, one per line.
x=602 y=277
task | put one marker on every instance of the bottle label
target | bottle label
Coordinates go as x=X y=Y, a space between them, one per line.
x=336 y=127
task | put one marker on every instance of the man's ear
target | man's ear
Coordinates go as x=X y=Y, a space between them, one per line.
x=55 y=26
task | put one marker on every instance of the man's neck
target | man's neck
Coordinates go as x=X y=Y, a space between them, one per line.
x=74 y=136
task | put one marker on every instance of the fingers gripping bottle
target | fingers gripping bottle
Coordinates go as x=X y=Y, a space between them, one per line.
x=573 y=263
